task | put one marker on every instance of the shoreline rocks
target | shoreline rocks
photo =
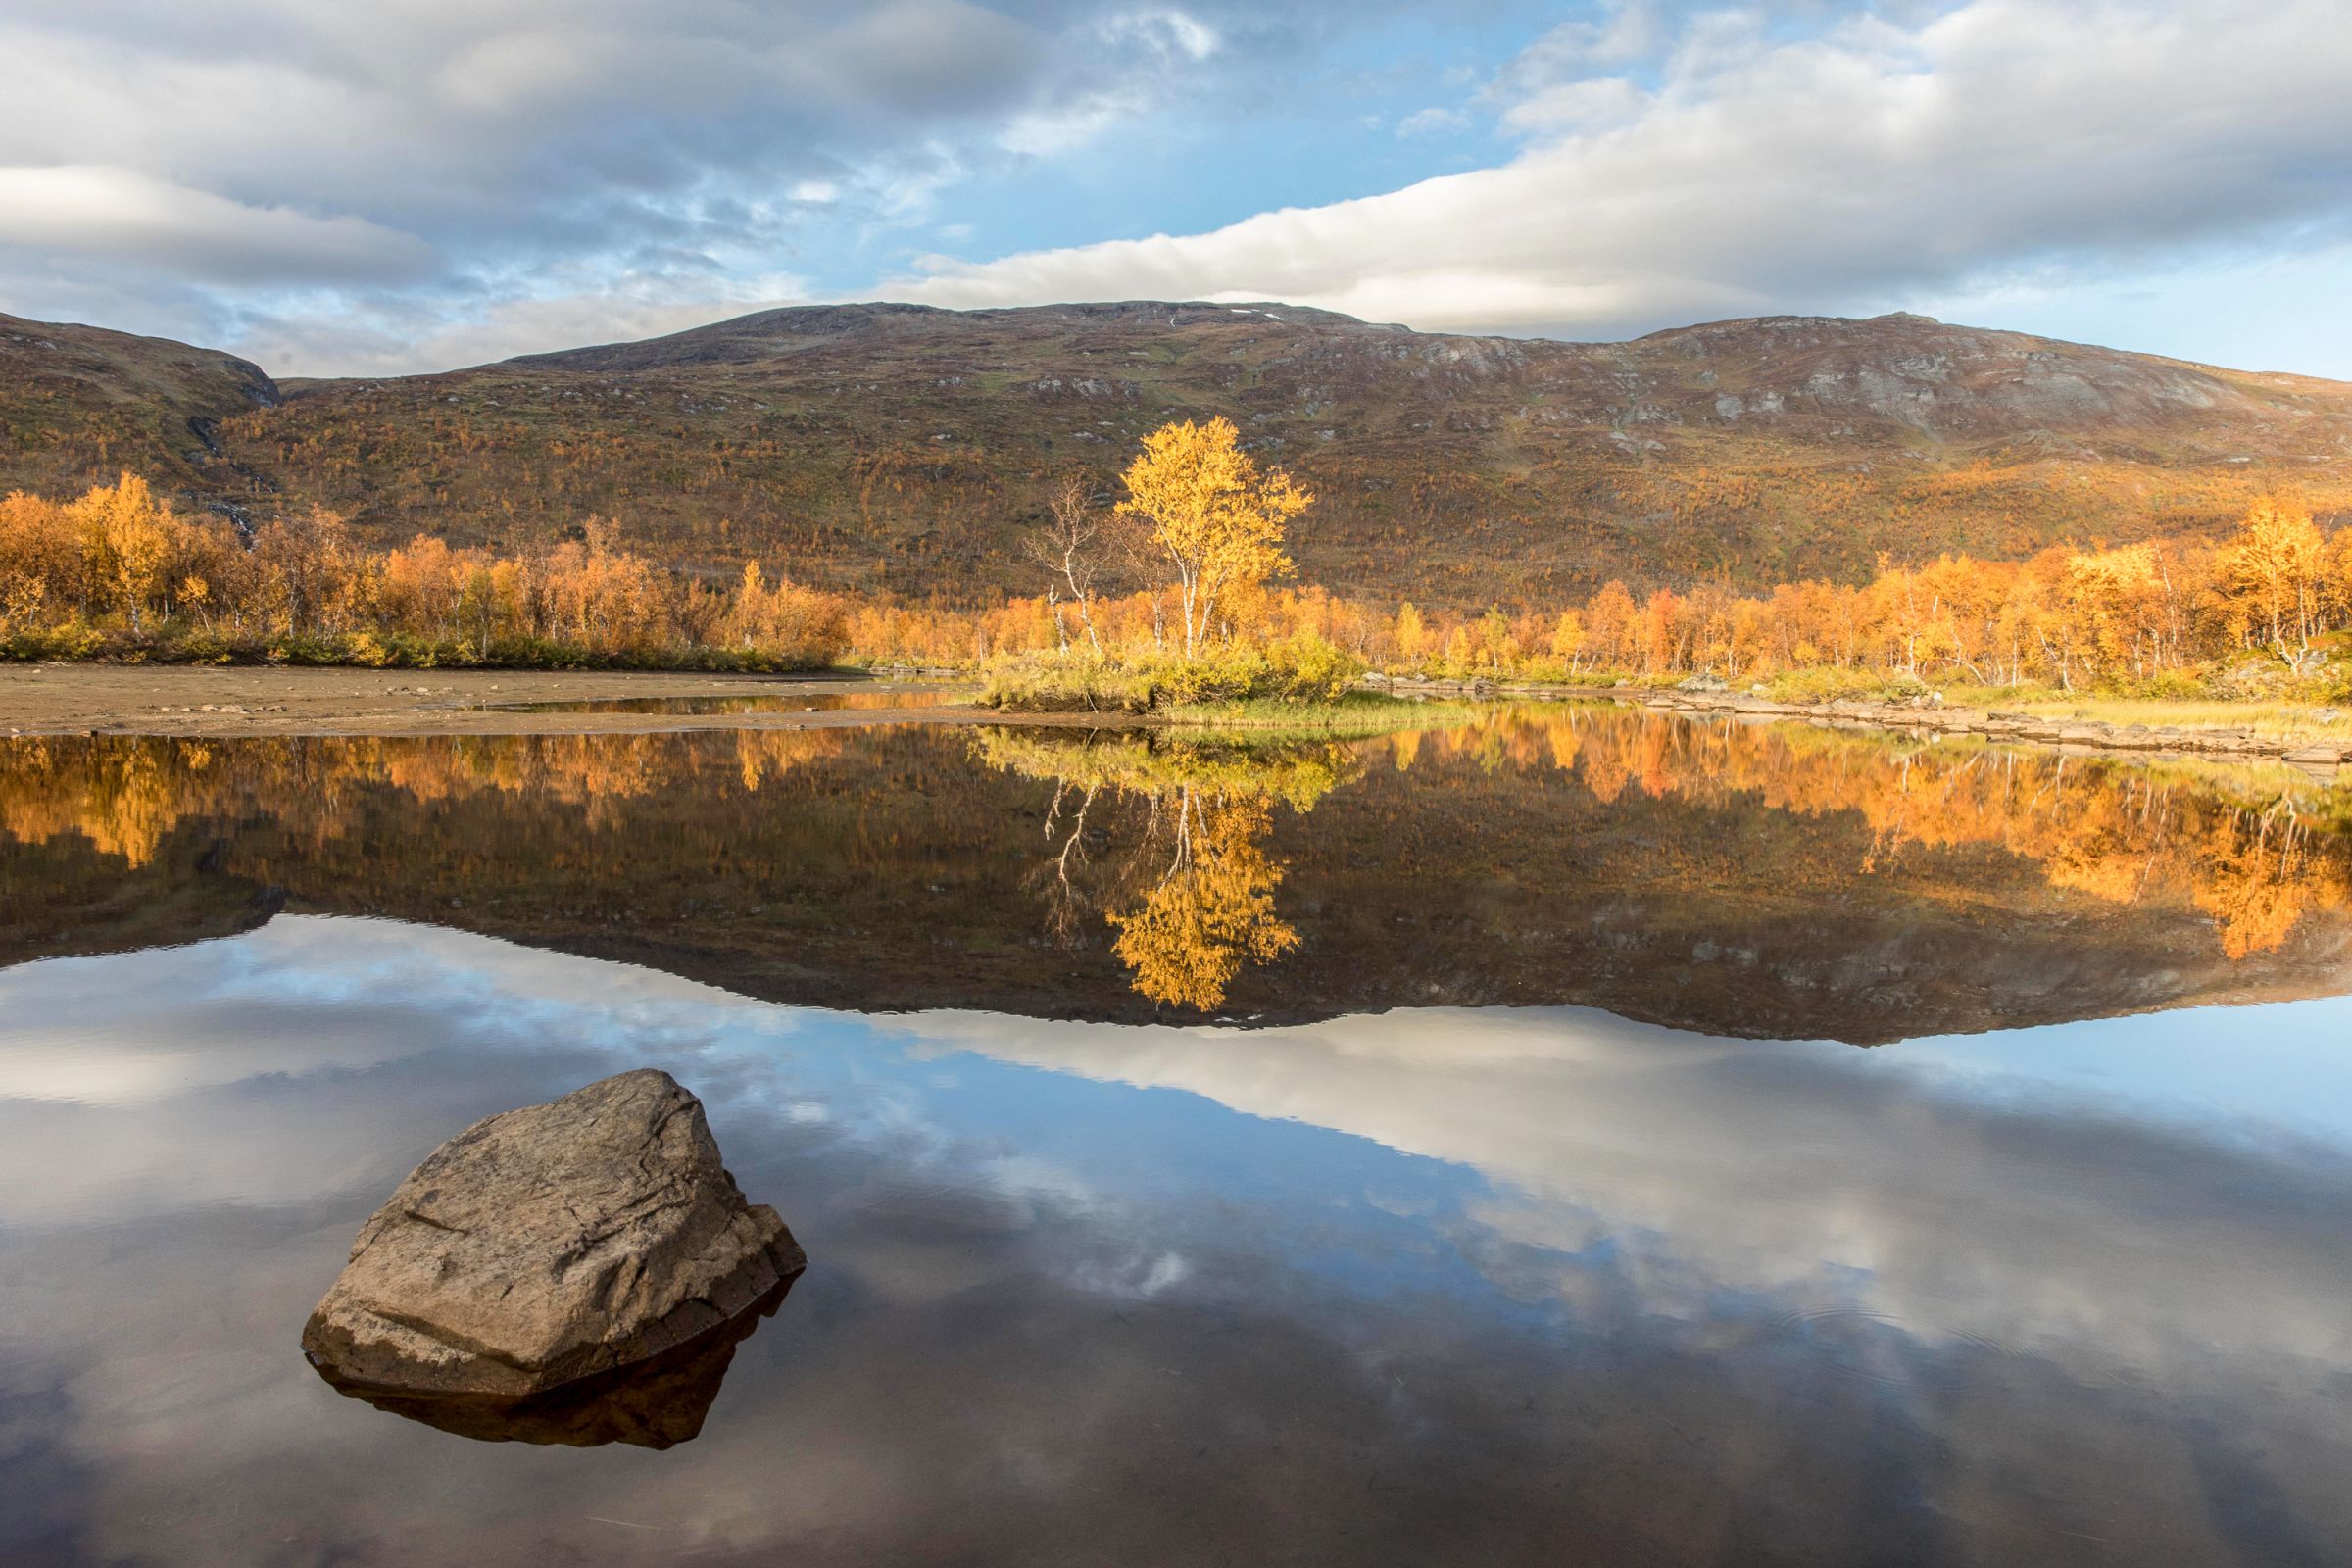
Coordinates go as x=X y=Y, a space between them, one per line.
x=551 y=1244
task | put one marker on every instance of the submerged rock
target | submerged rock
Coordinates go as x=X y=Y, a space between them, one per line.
x=551 y=1244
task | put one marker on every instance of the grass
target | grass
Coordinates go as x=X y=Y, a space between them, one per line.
x=1299 y=688
x=2277 y=716
x=1349 y=715
x=2270 y=718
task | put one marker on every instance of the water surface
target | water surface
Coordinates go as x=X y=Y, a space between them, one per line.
x=1741 y=879
x=813 y=701
x=1491 y=1276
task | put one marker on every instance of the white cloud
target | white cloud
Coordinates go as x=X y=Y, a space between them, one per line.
x=395 y=337
x=1176 y=33
x=121 y=215
x=1847 y=168
x=217 y=166
x=1432 y=123
x=350 y=187
x=1765 y=1170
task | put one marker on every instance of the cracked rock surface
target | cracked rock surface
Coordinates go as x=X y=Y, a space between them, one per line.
x=549 y=1244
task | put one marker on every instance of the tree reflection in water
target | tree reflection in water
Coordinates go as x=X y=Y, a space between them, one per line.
x=1192 y=894
x=1764 y=880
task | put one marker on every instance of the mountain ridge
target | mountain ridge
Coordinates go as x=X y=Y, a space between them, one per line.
x=887 y=445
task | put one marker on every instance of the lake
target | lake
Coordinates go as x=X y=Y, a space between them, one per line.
x=1583 y=1134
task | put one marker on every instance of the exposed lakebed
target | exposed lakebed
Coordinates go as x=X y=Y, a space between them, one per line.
x=1442 y=1147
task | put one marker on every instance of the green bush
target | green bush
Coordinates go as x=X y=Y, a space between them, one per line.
x=1312 y=668
x=70 y=641
x=1300 y=670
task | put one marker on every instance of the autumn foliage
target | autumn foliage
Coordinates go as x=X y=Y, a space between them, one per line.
x=118 y=570
x=1178 y=572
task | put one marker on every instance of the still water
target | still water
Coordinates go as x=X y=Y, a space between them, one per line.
x=1442 y=1148
x=815 y=702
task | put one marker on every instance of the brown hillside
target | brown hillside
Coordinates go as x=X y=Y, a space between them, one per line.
x=902 y=446
x=77 y=403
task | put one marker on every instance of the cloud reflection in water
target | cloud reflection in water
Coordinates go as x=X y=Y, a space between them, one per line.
x=1463 y=1285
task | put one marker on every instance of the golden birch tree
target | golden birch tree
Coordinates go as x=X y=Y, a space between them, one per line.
x=1218 y=517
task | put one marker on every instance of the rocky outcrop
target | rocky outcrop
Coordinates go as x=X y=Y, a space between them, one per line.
x=551 y=1244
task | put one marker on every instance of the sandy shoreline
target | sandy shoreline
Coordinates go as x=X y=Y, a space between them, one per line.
x=227 y=700
x=213 y=700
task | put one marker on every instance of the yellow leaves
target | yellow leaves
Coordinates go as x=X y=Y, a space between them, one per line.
x=127 y=540
x=2270 y=581
x=23 y=602
x=789 y=622
x=1208 y=907
x=1411 y=635
x=1212 y=912
x=2136 y=613
x=1211 y=512
x=2115 y=604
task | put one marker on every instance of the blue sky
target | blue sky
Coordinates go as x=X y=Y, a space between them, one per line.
x=419 y=184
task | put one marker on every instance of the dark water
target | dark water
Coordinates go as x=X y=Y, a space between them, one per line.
x=815 y=702
x=1471 y=1234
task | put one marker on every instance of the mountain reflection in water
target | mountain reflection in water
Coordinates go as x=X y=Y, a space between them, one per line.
x=1757 y=880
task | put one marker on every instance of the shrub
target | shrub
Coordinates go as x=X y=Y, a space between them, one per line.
x=70 y=641
x=2170 y=685
x=1826 y=684
x=1312 y=668
x=1301 y=669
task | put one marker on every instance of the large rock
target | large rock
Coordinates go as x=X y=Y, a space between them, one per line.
x=550 y=1243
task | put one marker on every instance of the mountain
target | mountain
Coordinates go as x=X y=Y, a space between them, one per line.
x=78 y=401
x=904 y=446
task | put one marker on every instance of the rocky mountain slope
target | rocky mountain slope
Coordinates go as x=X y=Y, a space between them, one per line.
x=903 y=446
x=78 y=401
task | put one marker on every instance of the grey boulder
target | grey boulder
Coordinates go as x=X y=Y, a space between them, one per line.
x=550 y=1243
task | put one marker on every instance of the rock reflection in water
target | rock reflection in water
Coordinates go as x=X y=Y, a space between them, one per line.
x=656 y=1404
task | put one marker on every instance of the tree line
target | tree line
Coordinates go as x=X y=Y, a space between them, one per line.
x=119 y=569
x=1184 y=560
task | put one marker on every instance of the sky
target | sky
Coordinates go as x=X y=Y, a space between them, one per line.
x=332 y=188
